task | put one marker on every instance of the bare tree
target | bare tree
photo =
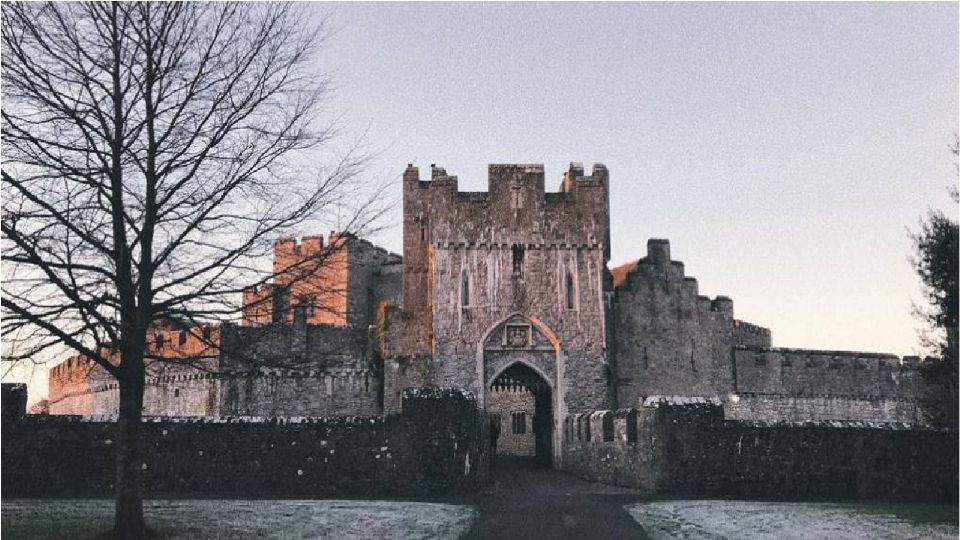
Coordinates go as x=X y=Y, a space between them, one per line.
x=152 y=152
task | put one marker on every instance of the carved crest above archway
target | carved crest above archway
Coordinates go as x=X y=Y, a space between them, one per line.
x=519 y=333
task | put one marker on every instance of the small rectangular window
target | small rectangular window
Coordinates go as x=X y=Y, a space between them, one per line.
x=608 y=427
x=519 y=423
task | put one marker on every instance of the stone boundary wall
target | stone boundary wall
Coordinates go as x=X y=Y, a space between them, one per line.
x=438 y=444
x=805 y=372
x=689 y=450
x=789 y=408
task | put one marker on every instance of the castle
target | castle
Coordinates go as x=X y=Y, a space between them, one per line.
x=505 y=293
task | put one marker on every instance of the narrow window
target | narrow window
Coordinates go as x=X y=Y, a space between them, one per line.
x=569 y=288
x=183 y=337
x=206 y=332
x=608 y=427
x=281 y=303
x=464 y=289
x=517 y=260
x=632 y=426
x=587 y=430
x=516 y=198
x=176 y=392
x=159 y=339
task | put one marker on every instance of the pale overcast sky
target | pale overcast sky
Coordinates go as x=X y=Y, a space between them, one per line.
x=784 y=149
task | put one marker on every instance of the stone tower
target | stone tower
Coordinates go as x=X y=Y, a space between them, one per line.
x=504 y=287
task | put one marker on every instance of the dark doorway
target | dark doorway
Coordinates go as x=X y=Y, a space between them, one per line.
x=519 y=397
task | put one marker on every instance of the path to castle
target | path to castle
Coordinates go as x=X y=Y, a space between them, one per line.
x=528 y=502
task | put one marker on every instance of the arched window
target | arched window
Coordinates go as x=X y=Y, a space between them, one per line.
x=464 y=288
x=569 y=291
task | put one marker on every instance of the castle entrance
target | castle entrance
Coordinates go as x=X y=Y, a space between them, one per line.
x=520 y=406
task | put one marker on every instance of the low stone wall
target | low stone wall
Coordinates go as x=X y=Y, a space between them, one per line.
x=690 y=450
x=437 y=444
x=790 y=408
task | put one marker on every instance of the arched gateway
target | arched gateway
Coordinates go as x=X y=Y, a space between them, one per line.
x=520 y=360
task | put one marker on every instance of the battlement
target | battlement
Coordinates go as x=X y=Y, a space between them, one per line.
x=527 y=177
x=807 y=373
x=750 y=328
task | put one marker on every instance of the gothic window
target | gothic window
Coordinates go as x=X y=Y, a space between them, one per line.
x=517 y=260
x=568 y=287
x=519 y=423
x=464 y=289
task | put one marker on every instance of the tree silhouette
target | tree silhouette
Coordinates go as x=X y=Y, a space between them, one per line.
x=153 y=151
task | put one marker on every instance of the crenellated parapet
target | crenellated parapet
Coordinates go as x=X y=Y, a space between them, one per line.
x=667 y=337
x=515 y=209
x=336 y=280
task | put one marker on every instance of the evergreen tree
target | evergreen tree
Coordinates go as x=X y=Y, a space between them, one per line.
x=936 y=262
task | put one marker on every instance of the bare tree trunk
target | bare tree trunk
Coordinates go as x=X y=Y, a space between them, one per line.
x=129 y=500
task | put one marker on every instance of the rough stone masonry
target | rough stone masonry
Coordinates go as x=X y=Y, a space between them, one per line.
x=504 y=288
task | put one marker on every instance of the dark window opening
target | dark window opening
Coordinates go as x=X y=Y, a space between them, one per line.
x=183 y=337
x=176 y=392
x=281 y=303
x=632 y=427
x=588 y=428
x=570 y=292
x=608 y=427
x=159 y=340
x=464 y=289
x=517 y=260
x=519 y=423
x=206 y=332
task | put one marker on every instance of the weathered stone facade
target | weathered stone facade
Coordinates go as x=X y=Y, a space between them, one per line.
x=489 y=282
x=685 y=448
x=438 y=444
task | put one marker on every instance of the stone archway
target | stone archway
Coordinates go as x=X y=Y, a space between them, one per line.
x=520 y=404
x=520 y=362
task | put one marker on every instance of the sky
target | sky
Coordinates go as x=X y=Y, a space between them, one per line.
x=785 y=150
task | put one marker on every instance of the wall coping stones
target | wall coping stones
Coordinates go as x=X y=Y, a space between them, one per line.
x=685 y=401
x=788 y=350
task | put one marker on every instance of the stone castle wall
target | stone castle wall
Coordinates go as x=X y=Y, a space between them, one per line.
x=505 y=403
x=339 y=282
x=452 y=237
x=270 y=370
x=669 y=340
x=689 y=450
x=800 y=384
x=376 y=324
x=437 y=445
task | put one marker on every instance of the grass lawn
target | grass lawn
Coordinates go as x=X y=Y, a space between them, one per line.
x=756 y=520
x=207 y=519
